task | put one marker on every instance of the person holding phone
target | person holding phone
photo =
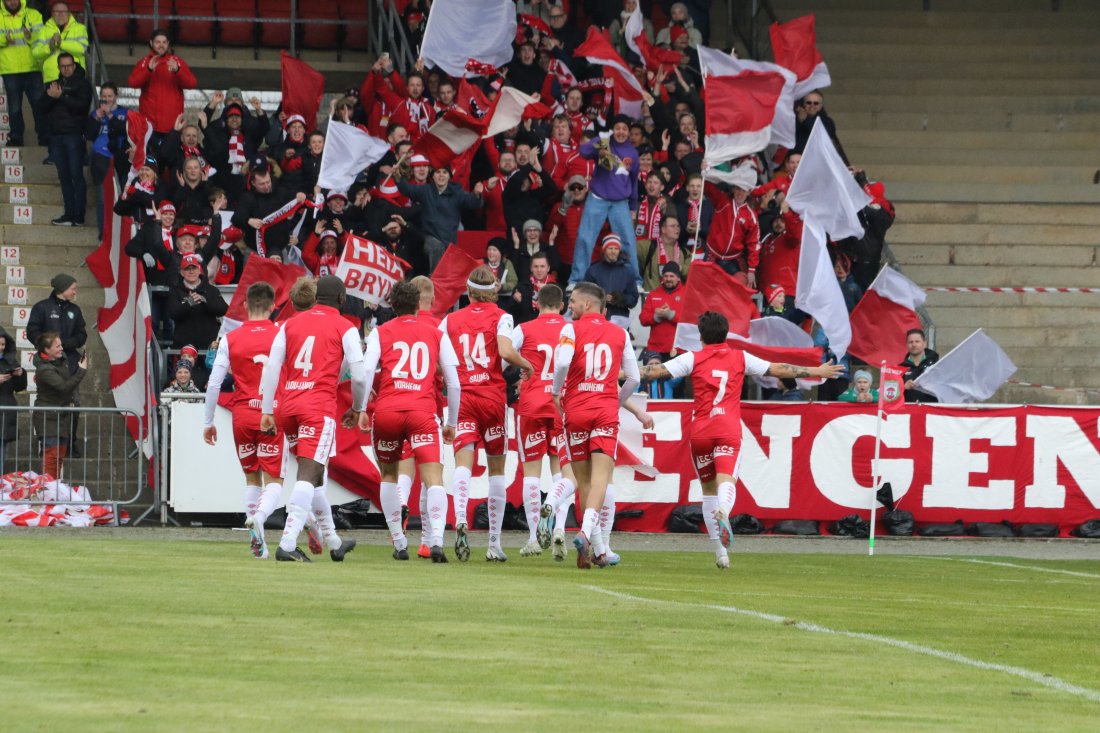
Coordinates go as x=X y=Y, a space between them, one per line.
x=57 y=387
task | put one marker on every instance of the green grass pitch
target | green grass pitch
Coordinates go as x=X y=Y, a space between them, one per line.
x=115 y=634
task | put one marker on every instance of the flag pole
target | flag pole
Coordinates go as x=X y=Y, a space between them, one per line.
x=875 y=478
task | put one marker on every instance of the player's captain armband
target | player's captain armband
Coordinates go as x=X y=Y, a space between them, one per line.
x=566 y=341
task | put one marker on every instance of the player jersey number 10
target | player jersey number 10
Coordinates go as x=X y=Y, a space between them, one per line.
x=597 y=362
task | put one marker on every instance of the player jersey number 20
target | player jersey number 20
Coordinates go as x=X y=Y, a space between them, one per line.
x=414 y=358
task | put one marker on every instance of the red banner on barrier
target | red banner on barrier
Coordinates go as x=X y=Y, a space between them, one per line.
x=1025 y=464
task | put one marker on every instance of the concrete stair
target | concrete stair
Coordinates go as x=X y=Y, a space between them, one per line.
x=981 y=118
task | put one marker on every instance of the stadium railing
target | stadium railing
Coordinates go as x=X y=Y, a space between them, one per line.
x=107 y=462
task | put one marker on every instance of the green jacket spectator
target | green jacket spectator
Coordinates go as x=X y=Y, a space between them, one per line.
x=18 y=29
x=61 y=33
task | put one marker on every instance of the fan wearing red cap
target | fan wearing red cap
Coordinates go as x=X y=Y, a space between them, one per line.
x=194 y=304
x=291 y=151
x=420 y=167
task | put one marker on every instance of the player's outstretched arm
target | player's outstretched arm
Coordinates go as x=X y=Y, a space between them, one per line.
x=789 y=371
x=651 y=372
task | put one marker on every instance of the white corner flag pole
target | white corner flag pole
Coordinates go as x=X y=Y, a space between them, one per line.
x=875 y=478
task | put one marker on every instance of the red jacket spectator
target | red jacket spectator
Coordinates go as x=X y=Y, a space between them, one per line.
x=415 y=113
x=162 y=88
x=662 y=330
x=779 y=264
x=735 y=235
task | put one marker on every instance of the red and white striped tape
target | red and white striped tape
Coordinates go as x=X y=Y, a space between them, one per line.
x=1086 y=390
x=941 y=289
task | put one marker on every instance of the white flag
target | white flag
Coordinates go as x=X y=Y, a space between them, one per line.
x=818 y=289
x=460 y=30
x=716 y=63
x=824 y=190
x=508 y=110
x=348 y=152
x=970 y=372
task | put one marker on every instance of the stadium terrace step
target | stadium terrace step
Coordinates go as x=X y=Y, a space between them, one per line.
x=1020 y=36
x=1017 y=142
x=978 y=213
x=964 y=253
x=966 y=70
x=22 y=235
x=995 y=234
x=1002 y=276
x=55 y=259
x=967 y=156
x=1081 y=175
x=1010 y=337
x=947 y=86
x=1023 y=317
x=967 y=103
x=887 y=15
x=1055 y=193
x=850 y=121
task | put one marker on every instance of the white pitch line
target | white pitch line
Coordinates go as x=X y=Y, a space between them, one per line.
x=1038 y=677
x=1032 y=567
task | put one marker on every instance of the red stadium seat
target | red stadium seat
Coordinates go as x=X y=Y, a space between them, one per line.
x=237 y=33
x=357 y=37
x=275 y=35
x=319 y=35
x=194 y=32
x=113 y=30
x=144 y=27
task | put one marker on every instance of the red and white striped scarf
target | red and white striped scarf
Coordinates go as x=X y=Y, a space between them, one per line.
x=327 y=265
x=166 y=240
x=284 y=212
x=537 y=285
x=236 y=152
x=418 y=113
x=190 y=151
x=649 y=219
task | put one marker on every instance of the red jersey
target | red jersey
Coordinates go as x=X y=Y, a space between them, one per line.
x=717 y=373
x=535 y=341
x=600 y=349
x=409 y=348
x=473 y=331
x=735 y=234
x=314 y=345
x=779 y=264
x=248 y=347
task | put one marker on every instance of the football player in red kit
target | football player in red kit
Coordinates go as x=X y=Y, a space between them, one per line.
x=590 y=353
x=314 y=345
x=481 y=334
x=243 y=353
x=717 y=372
x=538 y=422
x=406 y=351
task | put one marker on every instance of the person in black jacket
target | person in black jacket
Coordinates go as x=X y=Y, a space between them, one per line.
x=195 y=305
x=60 y=313
x=617 y=280
x=267 y=196
x=918 y=359
x=231 y=141
x=65 y=104
x=12 y=379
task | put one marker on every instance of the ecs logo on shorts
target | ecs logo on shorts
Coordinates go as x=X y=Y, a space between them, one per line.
x=466 y=426
x=306 y=431
x=269 y=450
x=534 y=439
x=576 y=438
x=388 y=446
x=497 y=431
x=246 y=450
x=422 y=439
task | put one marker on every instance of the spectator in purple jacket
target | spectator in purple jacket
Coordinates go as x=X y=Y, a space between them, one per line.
x=613 y=195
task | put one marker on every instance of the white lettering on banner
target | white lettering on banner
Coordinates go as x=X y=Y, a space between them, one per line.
x=368 y=270
x=953 y=462
x=768 y=477
x=832 y=459
x=665 y=487
x=1060 y=439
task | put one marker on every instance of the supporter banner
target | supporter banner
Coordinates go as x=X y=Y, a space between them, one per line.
x=368 y=270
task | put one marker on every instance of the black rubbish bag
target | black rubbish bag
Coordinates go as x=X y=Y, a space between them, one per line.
x=515 y=518
x=746 y=524
x=687 y=518
x=1037 y=530
x=1090 y=529
x=851 y=525
x=481 y=516
x=898 y=523
x=277 y=519
x=991 y=529
x=356 y=515
x=955 y=529
x=805 y=527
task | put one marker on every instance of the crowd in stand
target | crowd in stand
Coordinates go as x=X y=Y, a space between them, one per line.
x=584 y=194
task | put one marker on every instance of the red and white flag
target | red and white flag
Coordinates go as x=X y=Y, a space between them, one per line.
x=879 y=321
x=818 y=290
x=453 y=134
x=138 y=133
x=450 y=277
x=891 y=389
x=512 y=107
x=794 y=45
x=597 y=49
x=303 y=87
x=776 y=339
x=348 y=152
x=739 y=113
x=368 y=270
x=124 y=322
x=636 y=41
x=460 y=30
x=278 y=275
x=716 y=63
x=710 y=288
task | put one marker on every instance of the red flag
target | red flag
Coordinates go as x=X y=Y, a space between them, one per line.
x=350 y=466
x=891 y=389
x=138 y=132
x=879 y=321
x=124 y=322
x=256 y=269
x=475 y=241
x=794 y=45
x=450 y=278
x=740 y=112
x=451 y=135
x=775 y=339
x=655 y=57
x=472 y=100
x=710 y=288
x=303 y=87
x=597 y=49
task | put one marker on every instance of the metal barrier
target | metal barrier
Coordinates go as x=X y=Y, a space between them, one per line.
x=89 y=447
